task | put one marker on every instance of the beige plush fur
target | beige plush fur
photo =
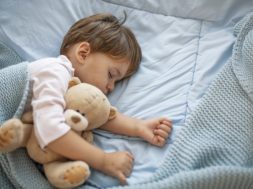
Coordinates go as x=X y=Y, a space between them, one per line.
x=87 y=109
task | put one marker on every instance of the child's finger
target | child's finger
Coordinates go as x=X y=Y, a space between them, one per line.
x=161 y=133
x=165 y=120
x=129 y=167
x=130 y=155
x=161 y=141
x=128 y=171
x=164 y=127
x=122 y=178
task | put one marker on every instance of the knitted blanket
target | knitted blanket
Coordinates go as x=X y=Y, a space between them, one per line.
x=214 y=149
x=15 y=168
x=13 y=82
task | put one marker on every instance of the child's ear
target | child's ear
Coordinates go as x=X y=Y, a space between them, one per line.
x=83 y=51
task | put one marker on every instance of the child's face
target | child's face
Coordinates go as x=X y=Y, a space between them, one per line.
x=102 y=71
x=96 y=68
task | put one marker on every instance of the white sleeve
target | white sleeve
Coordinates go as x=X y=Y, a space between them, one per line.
x=50 y=85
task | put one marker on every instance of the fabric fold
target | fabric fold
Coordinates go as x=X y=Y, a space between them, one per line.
x=215 y=147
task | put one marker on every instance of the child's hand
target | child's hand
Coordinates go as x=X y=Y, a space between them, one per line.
x=119 y=165
x=155 y=131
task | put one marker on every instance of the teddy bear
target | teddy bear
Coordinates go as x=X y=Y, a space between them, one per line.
x=87 y=108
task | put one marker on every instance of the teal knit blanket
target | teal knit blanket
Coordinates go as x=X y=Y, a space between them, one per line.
x=15 y=167
x=14 y=82
x=214 y=149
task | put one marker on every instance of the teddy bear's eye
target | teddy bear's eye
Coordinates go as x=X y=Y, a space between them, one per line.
x=83 y=114
x=78 y=111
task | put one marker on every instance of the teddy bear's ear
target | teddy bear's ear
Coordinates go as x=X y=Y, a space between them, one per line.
x=113 y=113
x=74 y=81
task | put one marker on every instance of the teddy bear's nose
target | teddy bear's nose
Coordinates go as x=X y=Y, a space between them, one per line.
x=75 y=119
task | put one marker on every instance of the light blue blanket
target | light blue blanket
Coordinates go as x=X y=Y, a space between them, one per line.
x=215 y=148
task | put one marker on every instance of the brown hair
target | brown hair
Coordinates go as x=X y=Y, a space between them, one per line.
x=106 y=34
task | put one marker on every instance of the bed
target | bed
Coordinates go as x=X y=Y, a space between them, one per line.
x=185 y=45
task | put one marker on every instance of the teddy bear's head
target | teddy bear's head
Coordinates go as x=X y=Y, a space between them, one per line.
x=90 y=102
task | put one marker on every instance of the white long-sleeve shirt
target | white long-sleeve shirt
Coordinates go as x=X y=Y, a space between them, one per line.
x=50 y=77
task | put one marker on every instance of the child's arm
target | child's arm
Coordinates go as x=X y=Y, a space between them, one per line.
x=155 y=131
x=72 y=146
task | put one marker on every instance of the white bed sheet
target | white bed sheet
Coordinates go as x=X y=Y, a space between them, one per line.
x=182 y=52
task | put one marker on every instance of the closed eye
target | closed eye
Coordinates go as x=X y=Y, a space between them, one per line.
x=110 y=75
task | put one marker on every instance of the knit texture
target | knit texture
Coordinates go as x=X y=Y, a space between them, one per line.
x=15 y=168
x=215 y=148
x=14 y=82
x=8 y=56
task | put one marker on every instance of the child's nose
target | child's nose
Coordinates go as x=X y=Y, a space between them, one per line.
x=110 y=87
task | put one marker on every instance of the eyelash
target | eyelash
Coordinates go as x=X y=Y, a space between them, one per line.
x=110 y=75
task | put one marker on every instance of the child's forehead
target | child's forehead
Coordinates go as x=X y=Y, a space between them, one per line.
x=119 y=60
